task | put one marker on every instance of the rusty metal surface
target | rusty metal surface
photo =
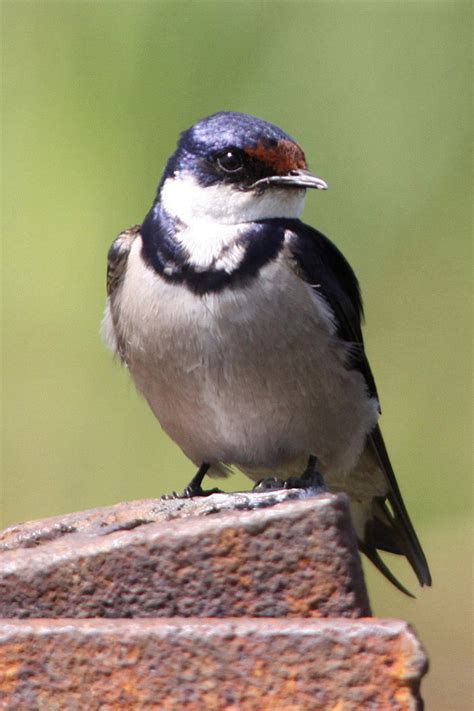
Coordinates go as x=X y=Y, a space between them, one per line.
x=131 y=513
x=212 y=665
x=297 y=558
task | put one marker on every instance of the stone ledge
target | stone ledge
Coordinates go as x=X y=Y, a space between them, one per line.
x=282 y=554
x=217 y=665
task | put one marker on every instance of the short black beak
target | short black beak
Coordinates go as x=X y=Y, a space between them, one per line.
x=294 y=179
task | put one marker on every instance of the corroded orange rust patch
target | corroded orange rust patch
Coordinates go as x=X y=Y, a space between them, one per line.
x=295 y=558
x=10 y=668
x=225 y=664
x=282 y=157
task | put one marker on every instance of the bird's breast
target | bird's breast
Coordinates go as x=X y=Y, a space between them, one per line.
x=275 y=315
x=252 y=375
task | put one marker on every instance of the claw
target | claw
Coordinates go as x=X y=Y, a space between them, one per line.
x=194 y=487
x=270 y=484
x=189 y=492
x=310 y=479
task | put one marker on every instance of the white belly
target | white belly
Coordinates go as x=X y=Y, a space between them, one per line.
x=251 y=376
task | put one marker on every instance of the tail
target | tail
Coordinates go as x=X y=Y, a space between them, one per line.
x=389 y=528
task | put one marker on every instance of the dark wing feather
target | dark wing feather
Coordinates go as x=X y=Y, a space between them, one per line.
x=328 y=271
x=117 y=257
x=322 y=265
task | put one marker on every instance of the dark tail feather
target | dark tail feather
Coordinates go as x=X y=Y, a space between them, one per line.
x=391 y=529
x=374 y=557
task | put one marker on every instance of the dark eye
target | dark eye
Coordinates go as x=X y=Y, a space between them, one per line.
x=230 y=161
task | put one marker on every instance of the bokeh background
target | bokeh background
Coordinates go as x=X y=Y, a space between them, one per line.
x=94 y=95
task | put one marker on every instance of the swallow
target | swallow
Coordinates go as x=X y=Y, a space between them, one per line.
x=241 y=327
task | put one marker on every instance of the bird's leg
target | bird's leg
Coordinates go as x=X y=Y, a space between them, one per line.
x=312 y=476
x=194 y=487
x=310 y=479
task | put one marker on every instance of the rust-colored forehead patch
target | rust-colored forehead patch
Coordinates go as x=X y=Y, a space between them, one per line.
x=280 y=157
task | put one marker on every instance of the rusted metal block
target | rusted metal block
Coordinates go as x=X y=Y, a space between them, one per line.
x=124 y=516
x=224 y=556
x=221 y=665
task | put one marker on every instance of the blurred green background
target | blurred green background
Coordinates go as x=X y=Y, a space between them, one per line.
x=94 y=95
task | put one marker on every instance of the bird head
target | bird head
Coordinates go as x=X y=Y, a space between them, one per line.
x=233 y=168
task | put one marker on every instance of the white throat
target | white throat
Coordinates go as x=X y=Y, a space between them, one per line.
x=182 y=197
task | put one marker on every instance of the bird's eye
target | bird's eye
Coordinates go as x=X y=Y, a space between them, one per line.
x=230 y=162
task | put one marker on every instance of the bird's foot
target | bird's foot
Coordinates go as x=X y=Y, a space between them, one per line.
x=194 y=488
x=315 y=481
x=191 y=491
x=310 y=479
x=270 y=484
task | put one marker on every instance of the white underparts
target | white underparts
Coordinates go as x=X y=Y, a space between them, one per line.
x=253 y=377
x=211 y=245
x=184 y=198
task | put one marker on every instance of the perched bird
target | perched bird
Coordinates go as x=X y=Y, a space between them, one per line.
x=241 y=326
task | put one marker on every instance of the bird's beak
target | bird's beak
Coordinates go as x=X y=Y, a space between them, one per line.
x=294 y=179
